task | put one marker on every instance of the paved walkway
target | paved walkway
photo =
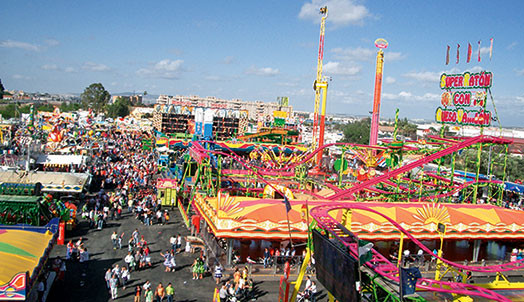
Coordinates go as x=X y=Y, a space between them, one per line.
x=91 y=286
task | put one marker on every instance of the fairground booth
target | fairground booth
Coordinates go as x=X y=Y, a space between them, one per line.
x=24 y=251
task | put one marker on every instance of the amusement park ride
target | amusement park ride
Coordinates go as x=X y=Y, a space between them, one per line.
x=396 y=190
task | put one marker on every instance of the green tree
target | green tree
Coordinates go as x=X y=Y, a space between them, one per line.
x=120 y=108
x=357 y=132
x=96 y=97
x=68 y=107
x=1 y=90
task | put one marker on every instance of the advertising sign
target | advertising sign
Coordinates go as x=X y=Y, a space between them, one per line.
x=460 y=104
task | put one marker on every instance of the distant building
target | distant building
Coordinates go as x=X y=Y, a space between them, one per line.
x=134 y=99
x=256 y=110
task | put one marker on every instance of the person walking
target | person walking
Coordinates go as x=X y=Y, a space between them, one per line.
x=160 y=293
x=178 y=243
x=138 y=292
x=218 y=272
x=114 y=239
x=114 y=286
x=126 y=276
x=170 y=292
x=149 y=295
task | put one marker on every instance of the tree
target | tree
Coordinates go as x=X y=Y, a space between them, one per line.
x=1 y=90
x=120 y=108
x=357 y=132
x=96 y=97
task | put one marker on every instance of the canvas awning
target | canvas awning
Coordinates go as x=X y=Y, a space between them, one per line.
x=53 y=159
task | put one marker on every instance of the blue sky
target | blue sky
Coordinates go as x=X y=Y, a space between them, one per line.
x=259 y=50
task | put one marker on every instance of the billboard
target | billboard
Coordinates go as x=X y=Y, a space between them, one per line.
x=337 y=271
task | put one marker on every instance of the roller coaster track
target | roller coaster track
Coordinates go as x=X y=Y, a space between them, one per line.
x=382 y=266
x=308 y=157
x=260 y=172
x=418 y=163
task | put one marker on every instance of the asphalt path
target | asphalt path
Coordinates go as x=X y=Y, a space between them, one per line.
x=86 y=283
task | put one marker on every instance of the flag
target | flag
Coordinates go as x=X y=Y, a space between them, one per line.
x=479 y=52
x=364 y=251
x=469 y=53
x=447 y=56
x=490 y=48
x=458 y=53
x=408 y=280
x=288 y=205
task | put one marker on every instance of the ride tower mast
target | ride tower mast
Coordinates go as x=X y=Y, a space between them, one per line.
x=373 y=136
x=316 y=85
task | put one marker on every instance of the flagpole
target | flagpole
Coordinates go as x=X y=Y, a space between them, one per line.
x=359 y=270
x=289 y=227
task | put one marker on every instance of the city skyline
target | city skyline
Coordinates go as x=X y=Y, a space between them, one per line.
x=263 y=50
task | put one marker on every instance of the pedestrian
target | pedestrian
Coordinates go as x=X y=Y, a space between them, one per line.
x=195 y=268
x=40 y=288
x=170 y=292
x=129 y=259
x=147 y=285
x=167 y=261
x=120 y=241
x=172 y=241
x=266 y=257
x=114 y=239
x=218 y=272
x=178 y=243
x=135 y=235
x=107 y=277
x=149 y=295
x=114 y=286
x=125 y=277
x=138 y=292
x=160 y=293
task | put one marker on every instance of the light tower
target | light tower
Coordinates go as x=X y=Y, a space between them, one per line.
x=373 y=136
x=316 y=86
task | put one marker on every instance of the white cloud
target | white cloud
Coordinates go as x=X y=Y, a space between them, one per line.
x=390 y=80
x=336 y=68
x=512 y=45
x=95 y=66
x=166 y=69
x=475 y=69
x=484 y=50
x=52 y=42
x=18 y=44
x=390 y=56
x=354 y=54
x=520 y=98
x=408 y=96
x=425 y=76
x=262 y=71
x=404 y=94
x=364 y=54
x=520 y=72
x=49 y=67
x=69 y=69
x=20 y=77
x=340 y=12
x=214 y=78
x=228 y=60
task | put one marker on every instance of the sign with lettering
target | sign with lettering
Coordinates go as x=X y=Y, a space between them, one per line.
x=166 y=183
x=463 y=99
x=467 y=80
x=461 y=116
x=461 y=105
